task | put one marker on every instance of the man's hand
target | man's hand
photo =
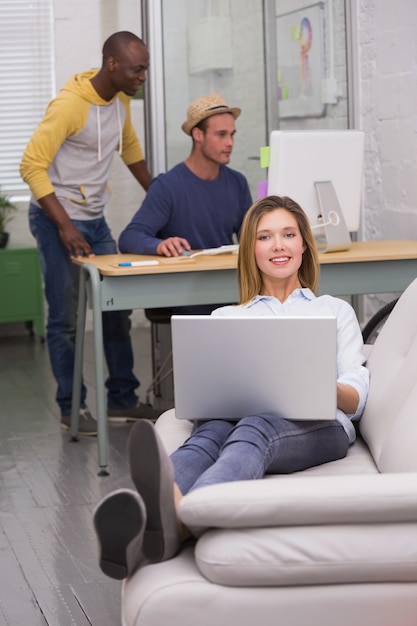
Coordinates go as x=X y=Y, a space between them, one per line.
x=173 y=246
x=71 y=237
x=74 y=241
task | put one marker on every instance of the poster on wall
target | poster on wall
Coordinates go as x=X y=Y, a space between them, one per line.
x=300 y=67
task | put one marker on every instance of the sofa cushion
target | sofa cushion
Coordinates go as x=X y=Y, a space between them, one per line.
x=174 y=592
x=301 y=555
x=355 y=499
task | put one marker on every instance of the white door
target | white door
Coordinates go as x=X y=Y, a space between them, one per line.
x=199 y=47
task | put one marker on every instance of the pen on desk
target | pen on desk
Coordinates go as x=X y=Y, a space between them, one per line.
x=138 y=263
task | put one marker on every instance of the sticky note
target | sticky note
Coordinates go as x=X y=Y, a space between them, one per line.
x=262 y=189
x=295 y=32
x=265 y=156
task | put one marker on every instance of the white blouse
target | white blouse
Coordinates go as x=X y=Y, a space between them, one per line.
x=350 y=355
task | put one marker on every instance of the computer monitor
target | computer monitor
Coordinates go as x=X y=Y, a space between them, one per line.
x=301 y=158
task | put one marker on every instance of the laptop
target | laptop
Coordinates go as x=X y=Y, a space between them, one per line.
x=232 y=367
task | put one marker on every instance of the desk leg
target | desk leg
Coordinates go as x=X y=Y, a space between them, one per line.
x=99 y=362
x=78 y=358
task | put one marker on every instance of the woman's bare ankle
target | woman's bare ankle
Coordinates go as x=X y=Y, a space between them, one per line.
x=184 y=532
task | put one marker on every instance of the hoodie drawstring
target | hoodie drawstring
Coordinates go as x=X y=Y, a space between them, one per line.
x=119 y=121
x=98 y=135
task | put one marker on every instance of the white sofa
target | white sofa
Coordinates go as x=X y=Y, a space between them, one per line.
x=335 y=545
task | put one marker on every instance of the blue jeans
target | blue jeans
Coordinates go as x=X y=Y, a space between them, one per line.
x=61 y=278
x=220 y=451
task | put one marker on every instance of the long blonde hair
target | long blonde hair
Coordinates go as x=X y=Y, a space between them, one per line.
x=249 y=276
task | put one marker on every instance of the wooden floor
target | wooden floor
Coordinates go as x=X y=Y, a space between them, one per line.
x=49 y=487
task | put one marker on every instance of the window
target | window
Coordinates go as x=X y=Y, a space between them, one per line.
x=26 y=81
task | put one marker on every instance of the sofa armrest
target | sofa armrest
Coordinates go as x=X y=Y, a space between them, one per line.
x=284 y=501
x=172 y=431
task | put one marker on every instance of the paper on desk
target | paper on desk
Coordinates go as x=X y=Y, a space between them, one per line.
x=232 y=248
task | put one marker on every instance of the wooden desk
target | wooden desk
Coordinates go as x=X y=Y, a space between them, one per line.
x=368 y=267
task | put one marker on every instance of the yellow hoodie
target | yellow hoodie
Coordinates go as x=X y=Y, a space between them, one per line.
x=71 y=151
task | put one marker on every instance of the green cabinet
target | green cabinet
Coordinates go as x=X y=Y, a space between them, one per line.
x=21 y=292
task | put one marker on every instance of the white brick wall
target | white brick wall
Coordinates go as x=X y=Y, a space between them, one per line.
x=388 y=109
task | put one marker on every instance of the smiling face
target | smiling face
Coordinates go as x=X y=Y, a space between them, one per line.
x=279 y=248
x=129 y=68
x=277 y=251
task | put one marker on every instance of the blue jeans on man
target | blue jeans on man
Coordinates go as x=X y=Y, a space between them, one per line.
x=61 y=279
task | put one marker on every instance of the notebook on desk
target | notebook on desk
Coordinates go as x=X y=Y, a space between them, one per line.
x=231 y=367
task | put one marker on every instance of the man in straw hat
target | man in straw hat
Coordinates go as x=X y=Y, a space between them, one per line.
x=199 y=203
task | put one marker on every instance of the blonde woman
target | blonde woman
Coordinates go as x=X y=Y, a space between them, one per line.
x=278 y=273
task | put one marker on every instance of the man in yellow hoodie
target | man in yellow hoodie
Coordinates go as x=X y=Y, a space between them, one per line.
x=67 y=164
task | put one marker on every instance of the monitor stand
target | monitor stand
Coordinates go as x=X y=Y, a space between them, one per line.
x=334 y=235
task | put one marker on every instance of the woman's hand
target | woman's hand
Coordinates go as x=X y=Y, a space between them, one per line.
x=347 y=398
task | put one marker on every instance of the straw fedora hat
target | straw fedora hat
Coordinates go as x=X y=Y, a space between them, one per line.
x=204 y=107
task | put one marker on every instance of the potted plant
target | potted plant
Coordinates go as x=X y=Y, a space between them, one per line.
x=6 y=211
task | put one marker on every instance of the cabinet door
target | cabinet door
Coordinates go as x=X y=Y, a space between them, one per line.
x=20 y=285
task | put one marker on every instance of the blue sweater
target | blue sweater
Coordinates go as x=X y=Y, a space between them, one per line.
x=180 y=204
